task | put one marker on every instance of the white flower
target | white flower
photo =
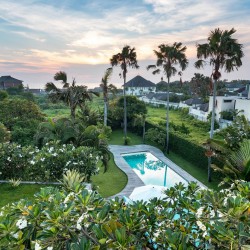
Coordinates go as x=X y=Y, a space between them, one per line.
x=37 y=246
x=201 y=225
x=90 y=155
x=20 y=156
x=199 y=212
x=32 y=162
x=42 y=159
x=49 y=248
x=78 y=226
x=55 y=154
x=8 y=159
x=21 y=223
x=16 y=235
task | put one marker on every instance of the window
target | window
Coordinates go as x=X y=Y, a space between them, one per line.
x=227 y=100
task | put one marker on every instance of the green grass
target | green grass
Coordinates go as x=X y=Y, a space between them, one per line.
x=158 y=115
x=198 y=173
x=117 y=138
x=110 y=182
x=57 y=113
x=10 y=194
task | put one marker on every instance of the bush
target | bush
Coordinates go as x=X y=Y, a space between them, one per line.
x=127 y=140
x=4 y=134
x=47 y=164
x=188 y=217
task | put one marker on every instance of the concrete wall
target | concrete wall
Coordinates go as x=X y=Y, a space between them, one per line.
x=198 y=114
x=243 y=104
x=223 y=103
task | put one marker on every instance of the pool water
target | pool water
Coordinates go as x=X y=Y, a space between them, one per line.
x=151 y=170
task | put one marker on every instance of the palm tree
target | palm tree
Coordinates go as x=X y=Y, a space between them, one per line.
x=74 y=96
x=168 y=57
x=222 y=51
x=106 y=89
x=126 y=58
x=237 y=163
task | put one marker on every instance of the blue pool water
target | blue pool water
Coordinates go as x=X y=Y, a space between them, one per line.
x=151 y=170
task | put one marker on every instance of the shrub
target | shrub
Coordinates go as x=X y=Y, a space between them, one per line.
x=188 y=217
x=4 y=134
x=127 y=140
x=47 y=164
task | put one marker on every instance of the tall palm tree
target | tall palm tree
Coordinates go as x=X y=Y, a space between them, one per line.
x=106 y=88
x=222 y=52
x=126 y=58
x=168 y=57
x=74 y=96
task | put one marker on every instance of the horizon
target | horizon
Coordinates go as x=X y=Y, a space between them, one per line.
x=37 y=45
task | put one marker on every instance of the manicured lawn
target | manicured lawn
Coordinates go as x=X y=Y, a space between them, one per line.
x=10 y=194
x=117 y=138
x=111 y=182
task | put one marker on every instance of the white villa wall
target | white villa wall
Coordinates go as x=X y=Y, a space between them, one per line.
x=198 y=114
x=139 y=90
x=222 y=104
x=243 y=104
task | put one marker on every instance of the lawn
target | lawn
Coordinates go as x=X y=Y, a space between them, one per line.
x=111 y=182
x=10 y=194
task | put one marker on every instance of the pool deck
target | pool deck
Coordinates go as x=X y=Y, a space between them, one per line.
x=133 y=179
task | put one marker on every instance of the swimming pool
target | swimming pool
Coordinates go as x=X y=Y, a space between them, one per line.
x=151 y=170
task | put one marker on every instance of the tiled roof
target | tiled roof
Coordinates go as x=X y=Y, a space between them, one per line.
x=139 y=81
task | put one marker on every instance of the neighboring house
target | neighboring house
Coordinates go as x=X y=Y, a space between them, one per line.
x=36 y=91
x=192 y=102
x=222 y=103
x=9 y=82
x=232 y=87
x=139 y=86
x=158 y=98
x=200 y=112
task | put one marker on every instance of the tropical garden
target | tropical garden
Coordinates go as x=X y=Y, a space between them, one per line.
x=63 y=153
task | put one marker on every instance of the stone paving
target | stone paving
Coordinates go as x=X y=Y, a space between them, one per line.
x=133 y=179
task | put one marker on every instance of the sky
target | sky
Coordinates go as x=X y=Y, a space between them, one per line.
x=41 y=37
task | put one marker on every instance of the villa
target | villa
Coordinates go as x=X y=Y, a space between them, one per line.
x=139 y=86
x=9 y=82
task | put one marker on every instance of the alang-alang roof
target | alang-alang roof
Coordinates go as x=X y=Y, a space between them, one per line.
x=139 y=81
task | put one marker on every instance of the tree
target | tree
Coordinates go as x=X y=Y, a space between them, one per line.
x=126 y=58
x=200 y=85
x=106 y=89
x=222 y=51
x=3 y=95
x=140 y=120
x=134 y=107
x=237 y=163
x=74 y=96
x=168 y=57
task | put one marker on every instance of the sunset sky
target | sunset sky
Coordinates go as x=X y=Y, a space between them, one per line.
x=39 y=38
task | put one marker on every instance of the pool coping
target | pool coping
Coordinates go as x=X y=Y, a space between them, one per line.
x=133 y=179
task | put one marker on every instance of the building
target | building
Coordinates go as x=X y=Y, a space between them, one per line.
x=226 y=103
x=139 y=86
x=232 y=87
x=9 y=82
x=192 y=102
x=200 y=113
